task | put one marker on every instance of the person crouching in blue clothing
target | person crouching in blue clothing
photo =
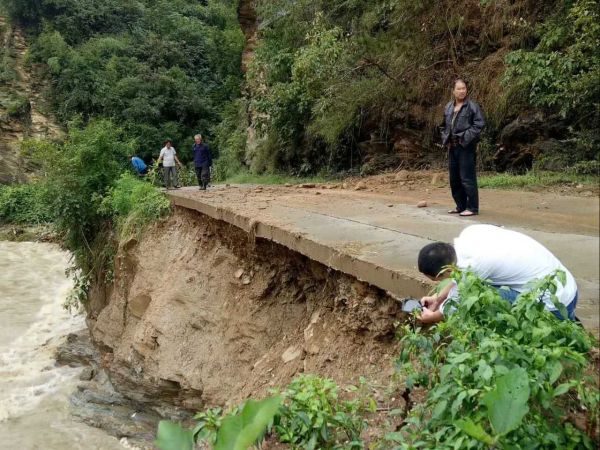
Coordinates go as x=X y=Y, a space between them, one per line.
x=139 y=165
x=202 y=162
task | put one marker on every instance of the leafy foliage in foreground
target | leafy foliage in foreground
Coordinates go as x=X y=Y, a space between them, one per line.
x=500 y=376
x=314 y=417
x=236 y=431
x=307 y=415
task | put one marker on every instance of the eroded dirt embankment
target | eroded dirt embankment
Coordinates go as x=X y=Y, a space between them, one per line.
x=200 y=315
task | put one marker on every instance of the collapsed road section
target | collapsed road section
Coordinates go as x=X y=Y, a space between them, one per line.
x=370 y=237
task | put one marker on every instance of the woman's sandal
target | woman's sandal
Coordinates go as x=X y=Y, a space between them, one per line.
x=454 y=211
x=467 y=213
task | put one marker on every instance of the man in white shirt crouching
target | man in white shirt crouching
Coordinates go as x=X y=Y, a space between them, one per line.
x=503 y=257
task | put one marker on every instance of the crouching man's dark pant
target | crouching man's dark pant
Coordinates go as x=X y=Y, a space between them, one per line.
x=203 y=174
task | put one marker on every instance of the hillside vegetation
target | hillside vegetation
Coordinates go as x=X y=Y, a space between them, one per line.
x=330 y=85
x=336 y=82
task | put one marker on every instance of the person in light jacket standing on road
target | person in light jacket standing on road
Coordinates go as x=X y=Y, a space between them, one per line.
x=463 y=123
x=168 y=156
x=202 y=162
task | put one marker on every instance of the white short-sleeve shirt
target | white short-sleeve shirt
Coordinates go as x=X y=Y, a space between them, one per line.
x=168 y=156
x=509 y=258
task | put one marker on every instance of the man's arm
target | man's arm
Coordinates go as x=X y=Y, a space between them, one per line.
x=428 y=316
x=434 y=302
x=476 y=127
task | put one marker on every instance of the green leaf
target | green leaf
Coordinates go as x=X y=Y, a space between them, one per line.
x=394 y=437
x=507 y=402
x=171 y=436
x=562 y=389
x=457 y=403
x=242 y=430
x=475 y=431
x=439 y=409
x=555 y=369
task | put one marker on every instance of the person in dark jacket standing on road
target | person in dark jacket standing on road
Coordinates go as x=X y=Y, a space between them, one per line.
x=463 y=123
x=202 y=162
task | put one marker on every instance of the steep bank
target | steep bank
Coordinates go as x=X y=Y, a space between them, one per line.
x=201 y=315
x=22 y=111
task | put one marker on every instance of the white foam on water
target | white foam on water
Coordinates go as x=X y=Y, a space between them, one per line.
x=34 y=392
x=27 y=371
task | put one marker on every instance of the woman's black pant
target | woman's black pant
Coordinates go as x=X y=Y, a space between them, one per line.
x=463 y=179
x=203 y=175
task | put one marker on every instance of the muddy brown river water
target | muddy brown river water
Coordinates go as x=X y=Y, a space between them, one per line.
x=34 y=393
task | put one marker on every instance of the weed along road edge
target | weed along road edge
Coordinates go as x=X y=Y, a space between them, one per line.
x=377 y=242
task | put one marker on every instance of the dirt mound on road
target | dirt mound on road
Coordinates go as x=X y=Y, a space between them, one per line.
x=200 y=315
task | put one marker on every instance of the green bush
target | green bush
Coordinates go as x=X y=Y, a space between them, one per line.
x=18 y=107
x=135 y=203
x=78 y=173
x=240 y=429
x=499 y=376
x=312 y=416
x=25 y=204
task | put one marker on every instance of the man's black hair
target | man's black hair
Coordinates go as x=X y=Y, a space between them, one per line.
x=433 y=258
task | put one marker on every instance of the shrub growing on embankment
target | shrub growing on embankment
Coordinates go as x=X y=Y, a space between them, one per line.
x=134 y=204
x=84 y=193
x=500 y=376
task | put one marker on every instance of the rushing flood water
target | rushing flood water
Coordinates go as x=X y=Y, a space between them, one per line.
x=34 y=394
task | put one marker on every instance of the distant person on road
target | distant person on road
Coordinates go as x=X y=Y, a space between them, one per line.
x=168 y=157
x=139 y=165
x=463 y=123
x=503 y=257
x=202 y=162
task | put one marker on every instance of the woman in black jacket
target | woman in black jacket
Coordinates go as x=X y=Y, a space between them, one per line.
x=463 y=122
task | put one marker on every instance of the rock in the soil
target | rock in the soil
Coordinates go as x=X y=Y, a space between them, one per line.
x=403 y=175
x=291 y=354
x=422 y=204
x=246 y=280
x=313 y=349
x=238 y=273
x=86 y=374
x=307 y=185
x=77 y=350
x=287 y=185
x=344 y=185
x=317 y=193
x=360 y=186
x=579 y=186
x=390 y=206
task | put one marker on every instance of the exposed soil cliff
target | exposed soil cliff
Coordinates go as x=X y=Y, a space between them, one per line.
x=201 y=315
